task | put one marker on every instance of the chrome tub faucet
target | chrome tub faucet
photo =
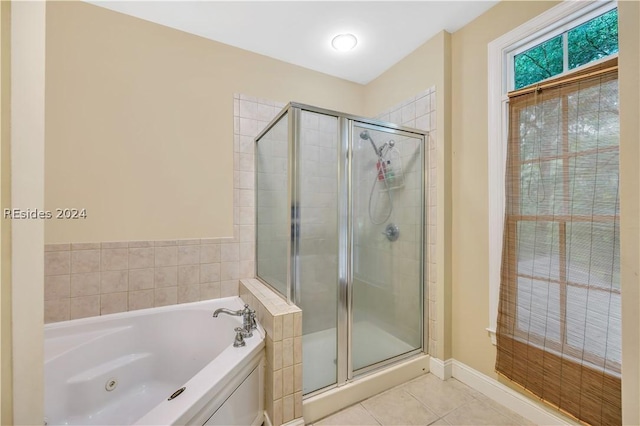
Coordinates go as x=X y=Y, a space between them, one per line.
x=248 y=318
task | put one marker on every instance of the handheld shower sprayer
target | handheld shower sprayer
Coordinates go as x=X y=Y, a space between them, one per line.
x=364 y=135
x=381 y=175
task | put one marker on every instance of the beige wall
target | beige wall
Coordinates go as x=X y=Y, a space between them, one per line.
x=629 y=80
x=139 y=124
x=427 y=66
x=470 y=277
x=415 y=73
x=6 y=402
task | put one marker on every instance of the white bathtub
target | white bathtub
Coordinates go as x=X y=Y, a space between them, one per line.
x=149 y=354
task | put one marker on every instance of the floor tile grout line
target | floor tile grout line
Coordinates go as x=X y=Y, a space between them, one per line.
x=430 y=409
x=370 y=413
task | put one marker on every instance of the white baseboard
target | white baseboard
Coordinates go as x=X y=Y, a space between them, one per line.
x=443 y=370
x=515 y=401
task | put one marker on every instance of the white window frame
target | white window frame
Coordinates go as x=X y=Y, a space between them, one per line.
x=501 y=51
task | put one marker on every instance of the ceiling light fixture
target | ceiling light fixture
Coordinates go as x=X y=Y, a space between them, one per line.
x=344 y=42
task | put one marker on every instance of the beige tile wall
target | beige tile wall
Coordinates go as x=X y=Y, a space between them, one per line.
x=283 y=372
x=420 y=112
x=90 y=279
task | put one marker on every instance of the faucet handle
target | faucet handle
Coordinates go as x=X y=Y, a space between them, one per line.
x=239 y=340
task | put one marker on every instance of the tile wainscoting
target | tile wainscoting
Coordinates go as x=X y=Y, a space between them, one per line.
x=90 y=279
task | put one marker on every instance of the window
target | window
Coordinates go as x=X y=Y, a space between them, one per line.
x=554 y=208
x=592 y=40
x=568 y=18
x=559 y=324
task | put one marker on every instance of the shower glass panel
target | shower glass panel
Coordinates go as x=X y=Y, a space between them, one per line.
x=340 y=230
x=317 y=253
x=387 y=216
x=272 y=199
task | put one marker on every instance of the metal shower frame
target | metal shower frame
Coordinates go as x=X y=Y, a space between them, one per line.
x=346 y=123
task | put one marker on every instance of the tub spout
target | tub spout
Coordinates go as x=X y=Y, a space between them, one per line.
x=226 y=311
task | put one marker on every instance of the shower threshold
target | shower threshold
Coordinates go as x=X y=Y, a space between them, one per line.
x=371 y=344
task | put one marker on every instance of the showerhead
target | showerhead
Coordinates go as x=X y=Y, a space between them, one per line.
x=364 y=135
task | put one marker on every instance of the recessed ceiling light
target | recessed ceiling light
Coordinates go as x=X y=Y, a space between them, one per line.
x=344 y=42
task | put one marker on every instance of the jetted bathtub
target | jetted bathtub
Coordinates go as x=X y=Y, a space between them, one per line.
x=122 y=369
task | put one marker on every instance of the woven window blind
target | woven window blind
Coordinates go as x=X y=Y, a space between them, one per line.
x=559 y=316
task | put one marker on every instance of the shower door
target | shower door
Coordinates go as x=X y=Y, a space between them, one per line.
x=387 y=227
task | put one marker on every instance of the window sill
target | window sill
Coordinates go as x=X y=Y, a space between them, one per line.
x=492 y=334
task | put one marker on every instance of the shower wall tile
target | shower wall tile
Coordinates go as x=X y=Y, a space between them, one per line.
x=419 y=112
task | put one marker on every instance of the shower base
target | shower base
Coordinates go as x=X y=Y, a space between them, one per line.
x=370 y=344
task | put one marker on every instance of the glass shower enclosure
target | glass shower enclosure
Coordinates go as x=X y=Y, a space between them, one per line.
x=340 y=233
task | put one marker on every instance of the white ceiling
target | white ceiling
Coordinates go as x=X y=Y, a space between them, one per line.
x=300 y=32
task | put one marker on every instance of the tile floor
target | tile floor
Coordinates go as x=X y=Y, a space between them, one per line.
x=426 y=400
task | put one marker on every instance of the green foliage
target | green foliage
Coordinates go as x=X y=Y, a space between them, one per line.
x=594 y=39
x=539 y=63
x=588 y=42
